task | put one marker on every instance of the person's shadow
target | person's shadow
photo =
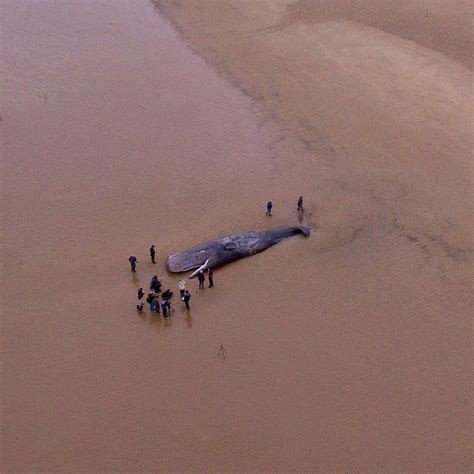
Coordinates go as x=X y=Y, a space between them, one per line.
x=189 y=319
x=186 y=316
x=155 y=319
x=135 y=280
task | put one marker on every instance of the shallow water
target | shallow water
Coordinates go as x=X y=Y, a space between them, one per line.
x=345 y=351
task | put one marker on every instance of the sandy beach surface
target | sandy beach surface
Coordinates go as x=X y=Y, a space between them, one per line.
x=126 y=124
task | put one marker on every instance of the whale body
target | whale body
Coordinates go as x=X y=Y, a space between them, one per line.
x=232 y=247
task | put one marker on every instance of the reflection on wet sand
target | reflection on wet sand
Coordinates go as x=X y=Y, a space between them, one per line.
x=178 y=315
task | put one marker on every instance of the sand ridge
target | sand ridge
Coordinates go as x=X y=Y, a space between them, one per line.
x=398 y=111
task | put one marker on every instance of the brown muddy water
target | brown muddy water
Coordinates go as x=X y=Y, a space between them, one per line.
x=346 y=351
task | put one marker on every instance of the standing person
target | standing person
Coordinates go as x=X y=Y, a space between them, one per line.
x=153 y=282
x=168 y=294
x=157 y=285
x=156 y=304
x=182 y=287
x=186 y=298
x=133 y=263
x=150 y=299
x=201 y=279
x=152 y=254
x=269 y=208
x=300 y=204
x=140 y=295
x=210 y=277
x=166 y=308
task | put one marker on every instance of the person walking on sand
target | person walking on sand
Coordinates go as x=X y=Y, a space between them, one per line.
x=152 y=254
x=210 y=277
x=140 y=293
x=269 y=208
x=186 y=297
x=300 y=204
x=133 y=263
x=182 y=287
x=201 y=279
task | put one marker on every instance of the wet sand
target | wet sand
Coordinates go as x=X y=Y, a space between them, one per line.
x=347 y=351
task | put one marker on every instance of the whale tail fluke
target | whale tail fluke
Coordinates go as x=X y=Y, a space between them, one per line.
x=288 y=232
x=304 y=230
x=300 y=230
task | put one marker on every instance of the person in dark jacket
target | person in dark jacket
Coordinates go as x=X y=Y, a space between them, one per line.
x=300 y=204
x=150 y=299
x=156 y=304
x=269 y=208
x=133 y=263
x=155 y=284
x=201 y=279
x=167 y=295
x=210 y=277
x=186 y=298
x=166 y=307
x=152 y=254
x=140 y=303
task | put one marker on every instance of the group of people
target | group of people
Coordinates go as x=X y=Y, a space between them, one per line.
x=153 y=297
x=155 y=293
x=202 y=278
x=133 y=260
x=299 y=206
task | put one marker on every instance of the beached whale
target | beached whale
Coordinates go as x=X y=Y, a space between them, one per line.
x=218 y=251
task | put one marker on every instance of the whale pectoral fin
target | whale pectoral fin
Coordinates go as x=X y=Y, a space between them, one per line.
x=202 y=268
